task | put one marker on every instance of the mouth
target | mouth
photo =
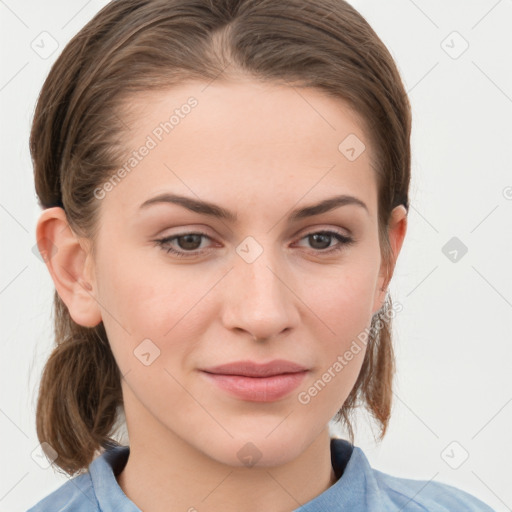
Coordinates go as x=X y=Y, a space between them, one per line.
x=253 y=369
x=257 y=382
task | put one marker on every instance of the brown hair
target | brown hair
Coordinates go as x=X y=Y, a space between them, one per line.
x=76 y=144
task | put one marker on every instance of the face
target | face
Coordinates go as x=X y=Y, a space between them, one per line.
x=182 y=290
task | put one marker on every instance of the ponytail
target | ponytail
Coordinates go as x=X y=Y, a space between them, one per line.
x=79 y=393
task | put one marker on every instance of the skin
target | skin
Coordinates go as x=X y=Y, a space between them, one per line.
x=258 y=150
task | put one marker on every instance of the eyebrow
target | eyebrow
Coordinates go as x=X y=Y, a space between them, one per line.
x=213 y=210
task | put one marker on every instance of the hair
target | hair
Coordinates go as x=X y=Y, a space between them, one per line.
x=76 y=143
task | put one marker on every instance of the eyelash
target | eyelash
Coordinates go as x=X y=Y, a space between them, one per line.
x=345 y=241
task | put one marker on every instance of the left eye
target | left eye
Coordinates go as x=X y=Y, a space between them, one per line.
x=189 y=242
x=321 y=237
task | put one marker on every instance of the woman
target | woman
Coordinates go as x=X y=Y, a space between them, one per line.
x=225 y=194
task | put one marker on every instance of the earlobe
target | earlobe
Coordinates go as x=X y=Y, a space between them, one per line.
x=67 y=261
x=396 y=233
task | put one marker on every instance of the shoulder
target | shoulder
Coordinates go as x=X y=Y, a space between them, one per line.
x=426 y=495
x=380 y=492
x=77 y=495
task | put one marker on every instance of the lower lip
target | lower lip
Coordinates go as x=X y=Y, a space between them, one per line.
x=258 y=389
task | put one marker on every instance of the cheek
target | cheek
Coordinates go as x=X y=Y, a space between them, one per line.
x=342 y=297
x=143 y=301
x=345 y=319
x=145 y=294
x=341 y=314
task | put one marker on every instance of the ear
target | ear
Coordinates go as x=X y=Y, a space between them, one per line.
x=396 y=233
x=69 y=263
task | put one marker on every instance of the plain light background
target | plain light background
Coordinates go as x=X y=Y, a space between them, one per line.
x=452 y=413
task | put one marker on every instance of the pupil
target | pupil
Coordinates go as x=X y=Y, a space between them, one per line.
x=325 y=236
x=190 y=239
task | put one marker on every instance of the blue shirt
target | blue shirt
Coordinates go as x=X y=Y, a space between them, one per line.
x=359 y=488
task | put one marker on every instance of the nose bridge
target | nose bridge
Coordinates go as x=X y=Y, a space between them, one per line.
x=260 y=302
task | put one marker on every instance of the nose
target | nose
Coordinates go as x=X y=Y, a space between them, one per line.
x=259 y=297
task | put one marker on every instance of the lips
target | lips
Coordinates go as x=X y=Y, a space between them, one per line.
x=253 y=369
x=255 y=382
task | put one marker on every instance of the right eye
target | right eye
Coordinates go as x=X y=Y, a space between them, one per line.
x=186 y=240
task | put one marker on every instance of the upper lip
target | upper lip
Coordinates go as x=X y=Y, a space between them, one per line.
x=253 y=369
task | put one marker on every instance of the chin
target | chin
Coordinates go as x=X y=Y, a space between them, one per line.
x=259 y=449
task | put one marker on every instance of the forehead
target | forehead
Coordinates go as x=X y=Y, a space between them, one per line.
x=243 y=140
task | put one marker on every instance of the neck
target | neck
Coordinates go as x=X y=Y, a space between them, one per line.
x=174 y=475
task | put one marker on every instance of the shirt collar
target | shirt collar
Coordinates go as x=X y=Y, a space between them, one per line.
x=348 y=461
